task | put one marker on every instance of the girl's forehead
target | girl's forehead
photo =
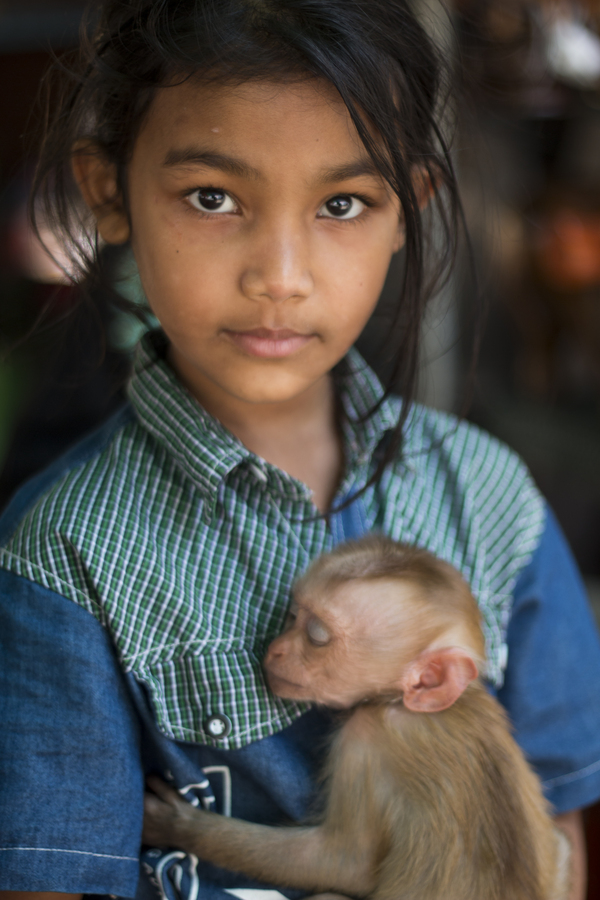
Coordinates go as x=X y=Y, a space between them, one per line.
x=306 y=119
x=309 y=97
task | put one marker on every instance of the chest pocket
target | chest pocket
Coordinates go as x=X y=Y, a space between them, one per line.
x=217 y=698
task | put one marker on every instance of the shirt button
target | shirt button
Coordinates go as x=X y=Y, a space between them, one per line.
x=218 y=726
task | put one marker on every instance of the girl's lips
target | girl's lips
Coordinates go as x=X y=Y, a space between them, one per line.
x=269 y=344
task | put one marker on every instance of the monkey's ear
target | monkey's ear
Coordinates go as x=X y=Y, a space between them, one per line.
x=437 y=678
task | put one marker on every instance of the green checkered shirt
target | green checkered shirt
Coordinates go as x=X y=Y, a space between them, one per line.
x=185 y=545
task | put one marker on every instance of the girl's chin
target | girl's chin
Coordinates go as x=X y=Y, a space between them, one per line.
x=228 y=373
x=271 y=387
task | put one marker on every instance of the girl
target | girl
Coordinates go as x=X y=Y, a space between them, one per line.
x=264 y=159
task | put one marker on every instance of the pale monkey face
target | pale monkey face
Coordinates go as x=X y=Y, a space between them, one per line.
x=341 y=647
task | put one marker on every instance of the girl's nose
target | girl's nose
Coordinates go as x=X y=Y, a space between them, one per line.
x=278 y=266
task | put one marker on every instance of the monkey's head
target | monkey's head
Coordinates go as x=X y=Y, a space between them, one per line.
x=377 y=619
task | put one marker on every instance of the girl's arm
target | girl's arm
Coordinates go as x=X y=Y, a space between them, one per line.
x=571 y=824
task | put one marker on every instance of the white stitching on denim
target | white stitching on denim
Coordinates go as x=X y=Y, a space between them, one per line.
x=81 y=852
x=572 y=776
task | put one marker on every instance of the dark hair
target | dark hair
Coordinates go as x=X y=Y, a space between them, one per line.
x=377 y=55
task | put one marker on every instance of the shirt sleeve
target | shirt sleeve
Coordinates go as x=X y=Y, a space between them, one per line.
x=552 y=680
x=71 y=792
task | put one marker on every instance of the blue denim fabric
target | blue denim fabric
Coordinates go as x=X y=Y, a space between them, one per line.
x=272 y=781
x=552 y=684
x=71 y=787
x=78 y=736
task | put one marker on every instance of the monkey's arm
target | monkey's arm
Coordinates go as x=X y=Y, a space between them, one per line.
x=302 y=857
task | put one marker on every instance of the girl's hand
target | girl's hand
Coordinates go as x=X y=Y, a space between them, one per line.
x=169 y=821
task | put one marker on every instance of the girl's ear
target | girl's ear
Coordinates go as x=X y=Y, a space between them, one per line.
x=437 y=678
x=97 y=181
x=425 y=187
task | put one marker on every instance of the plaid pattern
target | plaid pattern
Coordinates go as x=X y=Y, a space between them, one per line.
x=185 y=545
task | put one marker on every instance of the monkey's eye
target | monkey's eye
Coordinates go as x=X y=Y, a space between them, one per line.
x=317 y=633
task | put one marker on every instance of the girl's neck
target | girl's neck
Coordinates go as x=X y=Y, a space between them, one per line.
x=301 y=436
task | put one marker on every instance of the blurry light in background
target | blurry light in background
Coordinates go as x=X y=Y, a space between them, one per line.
x=572 y=50
x=44 y=261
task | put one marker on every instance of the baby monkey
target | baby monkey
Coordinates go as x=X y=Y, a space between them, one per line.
x=427 y=794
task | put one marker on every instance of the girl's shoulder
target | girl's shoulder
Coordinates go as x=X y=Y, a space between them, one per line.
x=440 y=434
x=466 y=459
x=62 y=473
x=103 y=460
x=72 y=503
x=448 y=452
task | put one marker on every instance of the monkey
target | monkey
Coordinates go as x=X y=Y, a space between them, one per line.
x=427 y=795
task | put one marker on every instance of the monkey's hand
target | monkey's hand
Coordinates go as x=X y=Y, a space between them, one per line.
x=293 y=856
x=170 y=821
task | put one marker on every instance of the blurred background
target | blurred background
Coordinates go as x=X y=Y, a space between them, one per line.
x=527 y=149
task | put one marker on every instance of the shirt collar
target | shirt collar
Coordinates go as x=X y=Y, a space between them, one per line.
x=208 y=452
x=202 y=447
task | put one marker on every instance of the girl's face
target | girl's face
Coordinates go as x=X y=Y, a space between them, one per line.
x=262 y=233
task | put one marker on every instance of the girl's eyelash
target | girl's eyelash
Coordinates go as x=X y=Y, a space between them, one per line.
x=186 y=195
x=205 y=187
x=367 y=201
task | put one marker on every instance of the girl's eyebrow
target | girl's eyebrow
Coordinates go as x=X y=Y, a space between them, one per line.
x=196 y=156
x=362 y=166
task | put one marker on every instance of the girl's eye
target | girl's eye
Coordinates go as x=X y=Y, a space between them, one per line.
x=212 y=200
x=344 y=206
x=317 y=633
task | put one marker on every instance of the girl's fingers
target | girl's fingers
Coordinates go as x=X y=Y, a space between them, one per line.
x=159 y=819
x=153 y=806
x=162 y=790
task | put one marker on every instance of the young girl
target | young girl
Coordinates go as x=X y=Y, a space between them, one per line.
x=264 y=159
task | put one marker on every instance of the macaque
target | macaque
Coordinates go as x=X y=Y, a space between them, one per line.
x=427 y=796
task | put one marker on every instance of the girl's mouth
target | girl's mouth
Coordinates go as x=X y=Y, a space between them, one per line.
x=269 y=344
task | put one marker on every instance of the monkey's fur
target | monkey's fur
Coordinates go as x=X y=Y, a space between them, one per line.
x=419 y=805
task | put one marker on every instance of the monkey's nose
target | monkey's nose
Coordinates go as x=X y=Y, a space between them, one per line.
x=268 y=658
x=274 y=649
